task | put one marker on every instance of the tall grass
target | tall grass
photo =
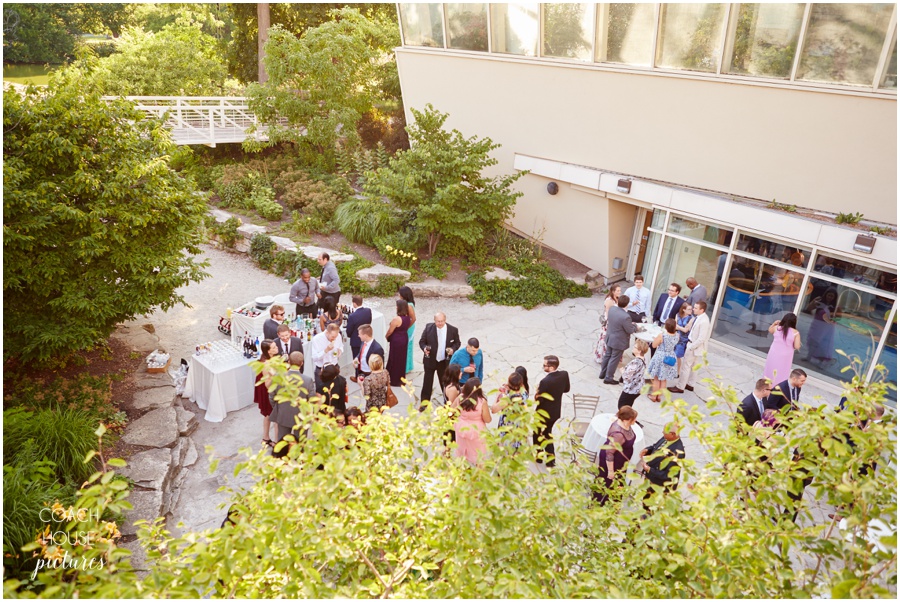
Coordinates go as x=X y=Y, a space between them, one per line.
x=365 y=220
x=63 y=436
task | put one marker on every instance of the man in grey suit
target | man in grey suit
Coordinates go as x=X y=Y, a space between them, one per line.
x=698 y=291
x=285 y=411
x=619 y=329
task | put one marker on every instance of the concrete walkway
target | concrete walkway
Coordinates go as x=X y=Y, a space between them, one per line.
x=509 y=336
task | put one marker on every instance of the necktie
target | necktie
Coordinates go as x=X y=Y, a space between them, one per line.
x=666 y=309
x=793 y=393
x=362 y=353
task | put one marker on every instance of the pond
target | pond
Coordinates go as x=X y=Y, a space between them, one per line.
x=25 y=74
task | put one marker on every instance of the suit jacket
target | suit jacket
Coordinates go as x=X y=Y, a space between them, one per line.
x=554 y=384
x=360 y=316
x=619 y=329
x=700 y=332
x=430 y=337
x=374 y=347
x=661 y=304
x=781 y=396
x=664 y=470
x=334 y=393
x=270 y=329
x=750 y=411
x=698 y=294
x=284 y=412
x=294 y=344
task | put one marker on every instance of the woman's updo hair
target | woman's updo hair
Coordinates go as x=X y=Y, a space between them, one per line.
x=626 y=413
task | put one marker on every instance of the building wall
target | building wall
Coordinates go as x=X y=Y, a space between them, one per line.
x=825 y=150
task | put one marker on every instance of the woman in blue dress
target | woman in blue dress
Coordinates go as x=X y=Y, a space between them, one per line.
x=406 y=294
x=660 y=370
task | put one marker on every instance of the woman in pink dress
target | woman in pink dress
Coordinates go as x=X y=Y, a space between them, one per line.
x=474 y=416
x=785 y=341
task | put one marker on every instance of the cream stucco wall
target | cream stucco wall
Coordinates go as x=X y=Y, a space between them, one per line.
x=829 y=151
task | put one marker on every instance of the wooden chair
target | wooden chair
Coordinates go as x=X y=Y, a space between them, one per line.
x=585 y=408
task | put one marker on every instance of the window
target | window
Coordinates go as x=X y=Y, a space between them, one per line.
x=888 y=359
x=770 y=249
x=765 y=40
x=889 y=79
x=843 y=43
x=422 y=25
x=690 y=36
x=858 y=272
x=659 y=219
x=700 y=230
x=680 y=260
x=514 y=28
x=625 y=34
x=567 y=30
x=467 y=26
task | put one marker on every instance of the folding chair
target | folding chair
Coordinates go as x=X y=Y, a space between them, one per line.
x=585 y=407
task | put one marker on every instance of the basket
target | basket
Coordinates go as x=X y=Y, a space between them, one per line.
x=159 y=370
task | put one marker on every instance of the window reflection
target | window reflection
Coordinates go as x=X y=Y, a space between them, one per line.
x=856 y=271
x=888 y=359
x=567 y=30
x=719 y=235
x=514 y=28
x=889 y=79
x=765 y=39
x=422 y=25
x=843 y=42
x=467 y=26
x=770 y=249
x=629 y=30
x=682 y=259
x=690 y=36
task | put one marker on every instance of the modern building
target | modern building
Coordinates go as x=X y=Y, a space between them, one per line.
x=723 y=141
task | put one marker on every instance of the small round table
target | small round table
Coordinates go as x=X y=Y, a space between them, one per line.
x=598 y=431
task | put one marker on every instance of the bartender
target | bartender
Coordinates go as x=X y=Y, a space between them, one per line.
x=305 y=293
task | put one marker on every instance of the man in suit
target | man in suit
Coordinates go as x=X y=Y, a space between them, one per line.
x=698 y=291
x=549 y=397
x=359 y=316
x=668 y=304
x=754 y=405
x=286 y=343
x=471 y=360
x=304 y=293
x=619 y=329
x=439 y=341
x=639 y=300
x=663 y=470
x=696 y=347
x=270 y=326
x=330 y=281
x=284 y=411
x=368 y=347
x=787 y=392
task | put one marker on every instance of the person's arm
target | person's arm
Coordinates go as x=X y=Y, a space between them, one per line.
x=412 y=315
x=295 y=294
x=610 y=454
x=397 y=321
x=774 y=326
x=687 y=327
x=322 y=323
x=479 y=366
x=797 y=342
x=452 y=396
x=422 y=341
x=657 y=341
x=318 y=351
x=631 y=327
x=486 y=413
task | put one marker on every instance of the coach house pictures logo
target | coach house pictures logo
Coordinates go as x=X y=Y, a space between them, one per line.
x=64 y=545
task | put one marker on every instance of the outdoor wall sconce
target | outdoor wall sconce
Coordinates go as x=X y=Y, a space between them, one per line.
x=864 y=244
x=624 y=185
x=552 y=187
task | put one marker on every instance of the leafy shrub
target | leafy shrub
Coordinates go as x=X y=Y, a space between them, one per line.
x=849 y=218
x=262 y=250
x=366 y=220
x=263 y=199
x=227 y=232
x=538 y=283
x=92 y=394
x=436 y=267
x=64 y=436
x=398 y=258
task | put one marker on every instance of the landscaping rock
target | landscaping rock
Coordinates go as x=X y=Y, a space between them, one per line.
x=158 y=379
x=191 y=455
x=336 y=256
x=173 y=493
x=500 y=274
x=221 y=216
x=284 y=244
x=372 y=274
x=138 y=556
x=156 y=397
x=436 y=288
x=147 y=505
x=577 y=279
x=149 y=328
x=158 y=428
x=137 y=339
x=187 y=421
x=594 y=280
x=149 y=468
x=248 y=230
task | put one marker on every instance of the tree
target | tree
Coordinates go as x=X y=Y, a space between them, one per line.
x=36 y=33
x=321 y=83
x=264 y=21
x=353 y=514
x=97 y=227
x=440 y=180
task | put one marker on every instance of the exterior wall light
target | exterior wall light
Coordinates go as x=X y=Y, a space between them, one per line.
x=552 y=187
x=624 y=185
x=864 y=244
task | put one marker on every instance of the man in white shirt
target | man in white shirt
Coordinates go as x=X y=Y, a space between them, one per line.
x=327 y=348
x=696 y=347
x=368 y=347
x=639 y=305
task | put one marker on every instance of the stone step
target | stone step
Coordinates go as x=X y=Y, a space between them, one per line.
x=155 y=397
x=149 y=469
x=146 y=506
x=435 y=288
x=157 y=428
x=313 y=252
x=372 y=274
x=187 y=421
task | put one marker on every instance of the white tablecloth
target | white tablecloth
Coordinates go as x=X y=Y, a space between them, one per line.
x=222 y=388
x=651 y=331
x=598 y=432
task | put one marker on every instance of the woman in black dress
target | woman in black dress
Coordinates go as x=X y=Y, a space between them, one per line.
x=398 y=337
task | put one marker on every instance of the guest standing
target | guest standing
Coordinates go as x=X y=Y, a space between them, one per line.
x=633 y=375
x=439 y=341
x=333 y=388
x=358 y=317
x=327 y=348
x=668 y=304
x=270 y=326
x=406 y=294
x=659 y=370
x=639 y=297
x=452 y=389
x=368 y=347
x=471 y=360
x=698 y=339
x=331 y=313
x=820 y=337
x=261 y=398
x=618 y=337
x=663 y=469
x=285 y=411
x=375 y=385
x=513 y=394
x=698 y=291
x=285 y=343
x=753 y=406
x=398 y=340
x=304 y=293
x=330 y=281
x=549 y=396
x=786 y=340
x=474 y=416
x=614 y=462
x=612 y=297
x=787 y=392
x=683 y=324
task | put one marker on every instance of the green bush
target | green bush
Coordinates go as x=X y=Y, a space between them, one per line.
x=539 y=283
x=63 y=436
x=366 y=220
x=227 y=232
x=436 y=267
x=397 y=257
x=262 y=250
x=263 y=199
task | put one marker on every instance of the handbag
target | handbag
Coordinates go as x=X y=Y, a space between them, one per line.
x=669 y=360
x=391 y=398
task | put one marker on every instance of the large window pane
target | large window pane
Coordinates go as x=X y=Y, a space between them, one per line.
x=771 y=249
x=888 y=359
x=765 y=39
x=700 y=230
x=422 y=25
x=567 y=30
x=467 y=26
x=856 y=271
x=659 y=219
x=843 y=42
x=837 y=317
x=629 y=30
x=515 y=28
x=889 y=80
x=681 y=259
x=690 y=36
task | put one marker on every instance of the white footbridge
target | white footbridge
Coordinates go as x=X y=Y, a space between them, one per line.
x=208 y=120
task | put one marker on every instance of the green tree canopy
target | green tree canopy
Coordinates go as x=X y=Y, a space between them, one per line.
x=97 y=227
x=440 y=180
